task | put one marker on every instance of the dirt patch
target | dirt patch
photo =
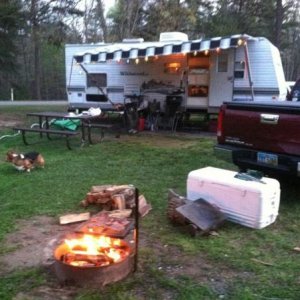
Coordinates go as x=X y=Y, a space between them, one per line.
x=9 y=121
x=33 y=244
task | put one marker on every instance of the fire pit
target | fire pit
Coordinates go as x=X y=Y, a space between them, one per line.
x=92 y=260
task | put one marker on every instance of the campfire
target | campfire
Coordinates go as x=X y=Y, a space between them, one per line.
x=104 y=248
x=85 y=250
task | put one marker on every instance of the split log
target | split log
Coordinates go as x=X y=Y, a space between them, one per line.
x=129 y=195
x=118 y=201
x=102 y=200
x=118 y=188
x=99 y=188
x=73 y=218
x=174 y=201
x=144 y=207
x=84 y=203
x=92 y=197
x=125 y=213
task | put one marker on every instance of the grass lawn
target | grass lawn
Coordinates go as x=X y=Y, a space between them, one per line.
x=238 y=263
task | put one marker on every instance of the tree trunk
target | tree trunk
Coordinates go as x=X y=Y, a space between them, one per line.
x=278 y=23
x=36 y=50
x=102 y=20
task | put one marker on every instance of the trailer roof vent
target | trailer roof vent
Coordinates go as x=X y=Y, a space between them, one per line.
x=137 y=40
x=173 y=36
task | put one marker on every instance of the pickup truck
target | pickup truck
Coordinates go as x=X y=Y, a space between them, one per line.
x=261 y=136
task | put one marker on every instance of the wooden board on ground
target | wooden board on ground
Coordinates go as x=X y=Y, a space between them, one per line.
x=202 y=214
x=73 y=218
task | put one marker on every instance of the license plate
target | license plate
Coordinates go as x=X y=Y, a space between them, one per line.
x=266 y=158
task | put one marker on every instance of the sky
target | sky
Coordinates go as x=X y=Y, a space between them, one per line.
x=108 y=4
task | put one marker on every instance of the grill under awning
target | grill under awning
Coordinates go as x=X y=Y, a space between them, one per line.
x=127 y=51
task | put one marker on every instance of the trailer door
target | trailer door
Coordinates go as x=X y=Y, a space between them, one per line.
x=221 y=77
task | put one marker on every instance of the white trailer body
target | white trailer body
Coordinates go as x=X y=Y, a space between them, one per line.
x=204 y=73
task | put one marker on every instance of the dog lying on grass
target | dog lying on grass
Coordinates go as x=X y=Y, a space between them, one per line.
x=25 y=162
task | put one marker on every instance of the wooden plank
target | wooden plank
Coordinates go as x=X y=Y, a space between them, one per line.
x=202 y=214
x=73 y=218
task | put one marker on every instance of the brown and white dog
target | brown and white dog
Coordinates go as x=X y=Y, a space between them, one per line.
x=26 y=161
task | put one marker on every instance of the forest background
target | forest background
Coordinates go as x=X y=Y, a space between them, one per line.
x=33 y=33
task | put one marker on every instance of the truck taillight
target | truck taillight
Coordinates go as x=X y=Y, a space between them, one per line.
x=220 y=122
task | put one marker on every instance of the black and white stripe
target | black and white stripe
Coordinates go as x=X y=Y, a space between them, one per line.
x=127 y=51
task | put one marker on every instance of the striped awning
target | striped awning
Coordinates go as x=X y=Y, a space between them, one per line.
x=127 y=51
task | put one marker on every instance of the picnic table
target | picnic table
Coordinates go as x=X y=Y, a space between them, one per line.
x=44 y=122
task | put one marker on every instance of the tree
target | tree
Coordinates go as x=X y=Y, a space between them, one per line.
x=11 y=21
x=46 y=24
x=94 y=22
x=126 y=17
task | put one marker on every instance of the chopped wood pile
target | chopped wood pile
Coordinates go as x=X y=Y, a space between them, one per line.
x=107 y=223
x=115 y=197
x=197 y=216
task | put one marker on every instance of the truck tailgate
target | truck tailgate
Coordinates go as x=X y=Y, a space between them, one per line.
x=266 y=127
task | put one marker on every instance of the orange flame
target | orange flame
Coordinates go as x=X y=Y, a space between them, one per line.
x=115 y=249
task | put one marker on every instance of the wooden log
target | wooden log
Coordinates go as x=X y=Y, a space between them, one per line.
x=97 y=195
x=73 y=218
x=129 y=195
x=118 y=188
x=174 y=201
x=118 y=201
x=102 y=200
x=99 y=188
x=120 y=214
x=144 y=207
x=84 y=203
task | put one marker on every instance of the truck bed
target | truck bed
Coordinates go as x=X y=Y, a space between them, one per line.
x=260 y=135
x=263 y=126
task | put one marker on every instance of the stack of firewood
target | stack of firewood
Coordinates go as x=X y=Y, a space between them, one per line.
x=175 y=200
x=115 y=197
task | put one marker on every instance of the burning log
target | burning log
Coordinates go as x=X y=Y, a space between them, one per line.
x=92 y=261
x=84 y=260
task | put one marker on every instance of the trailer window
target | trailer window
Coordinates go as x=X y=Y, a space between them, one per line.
x=172 y=68
x=222 y=62
x=97 y=80
x=239 y=69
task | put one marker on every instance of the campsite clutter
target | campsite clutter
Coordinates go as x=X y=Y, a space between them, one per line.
x=178 y=74
x=215 y=195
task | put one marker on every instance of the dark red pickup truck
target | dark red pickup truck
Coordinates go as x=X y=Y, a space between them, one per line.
x=263 y=136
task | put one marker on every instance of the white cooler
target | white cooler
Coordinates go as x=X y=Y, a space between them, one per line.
x=250 y=203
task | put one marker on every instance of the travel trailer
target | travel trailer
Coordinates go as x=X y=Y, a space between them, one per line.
x=199 y=74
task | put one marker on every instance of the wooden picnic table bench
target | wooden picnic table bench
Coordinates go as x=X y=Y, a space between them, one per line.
x=66 y=133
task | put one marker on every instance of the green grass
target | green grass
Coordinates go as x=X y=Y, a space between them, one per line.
x=227 y=265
